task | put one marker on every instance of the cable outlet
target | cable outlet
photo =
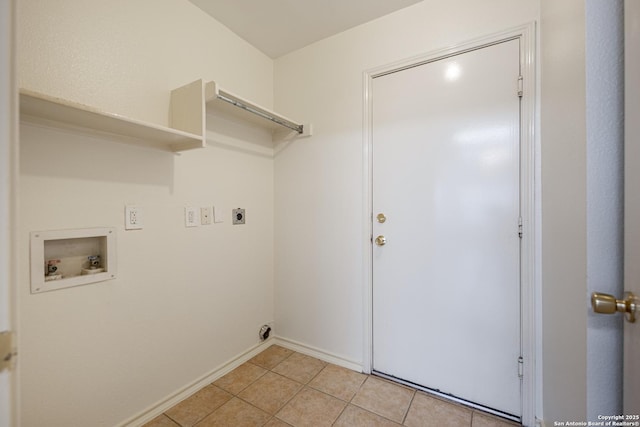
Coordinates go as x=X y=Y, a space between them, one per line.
x=132 y=218
x=191 y=217
x=206 y=217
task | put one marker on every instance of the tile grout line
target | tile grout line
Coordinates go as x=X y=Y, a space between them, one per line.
x=346 y=402
x=248 y=385
x=284 y=376
x=237 y=395
x=308 y=386
x=375 y=413
x=294 y=395
x=406 y=412
x=174 y=421
x=358 y=391
x=267 y=370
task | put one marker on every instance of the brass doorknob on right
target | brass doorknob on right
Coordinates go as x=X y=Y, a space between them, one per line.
x=608 y=304
x=381 y=240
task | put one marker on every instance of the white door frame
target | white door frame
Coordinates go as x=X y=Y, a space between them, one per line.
x=8 y=192
x=631 y=366
x=526 y=35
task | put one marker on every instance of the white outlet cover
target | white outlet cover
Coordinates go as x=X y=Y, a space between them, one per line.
x=206 y=216
x=133 y=217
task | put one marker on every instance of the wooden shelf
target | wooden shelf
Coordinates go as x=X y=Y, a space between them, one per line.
x=57 y=112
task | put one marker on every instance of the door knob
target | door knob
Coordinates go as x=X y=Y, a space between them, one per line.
x=381 y=240
x=381 y=218
x=608 y=304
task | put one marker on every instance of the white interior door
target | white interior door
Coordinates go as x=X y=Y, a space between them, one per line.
x=446 y=177
x=632 y=203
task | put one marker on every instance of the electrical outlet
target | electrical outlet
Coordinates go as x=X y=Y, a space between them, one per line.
x=191 y=217
x=205 y=216
x=132 y=218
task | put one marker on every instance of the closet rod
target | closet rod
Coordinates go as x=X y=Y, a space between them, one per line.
x=293 y=126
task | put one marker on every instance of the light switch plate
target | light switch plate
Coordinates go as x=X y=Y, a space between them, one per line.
x=191 y=217
x=219 y=215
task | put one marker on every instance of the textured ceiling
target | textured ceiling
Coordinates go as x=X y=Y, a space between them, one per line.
x=277 y=27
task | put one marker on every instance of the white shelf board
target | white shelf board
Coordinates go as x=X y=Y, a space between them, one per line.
x=44 y=109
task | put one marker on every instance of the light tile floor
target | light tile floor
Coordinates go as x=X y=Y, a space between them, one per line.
x=280 y=387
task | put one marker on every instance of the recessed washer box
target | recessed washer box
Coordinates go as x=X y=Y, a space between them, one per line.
x=65 y=258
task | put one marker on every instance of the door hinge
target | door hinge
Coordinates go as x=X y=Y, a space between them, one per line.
x=520 y=227
x=520 y=367
x=520 y=86
x=7 y=350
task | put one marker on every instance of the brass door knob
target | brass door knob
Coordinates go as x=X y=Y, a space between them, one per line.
x=608 y=304
x=381 y=240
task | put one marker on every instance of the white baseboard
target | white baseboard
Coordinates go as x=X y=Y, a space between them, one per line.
x=166 y=403
x=318 y=354
x=158 y=408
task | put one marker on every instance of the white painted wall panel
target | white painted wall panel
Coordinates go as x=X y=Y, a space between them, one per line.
x=564 y=229
x=125 y=56
x=320 y=191
x=186 y=300
x=320 y=188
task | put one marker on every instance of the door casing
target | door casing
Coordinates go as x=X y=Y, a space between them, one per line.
x=631 y=366
x=529 y=186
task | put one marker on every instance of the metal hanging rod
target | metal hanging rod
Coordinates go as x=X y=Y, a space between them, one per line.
x=265 y=115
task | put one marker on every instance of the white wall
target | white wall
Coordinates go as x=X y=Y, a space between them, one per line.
x=320 y=186
x=564 y=261
x=102 y=352
x=320 y=190
x=185 y=300
x=605 y=158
